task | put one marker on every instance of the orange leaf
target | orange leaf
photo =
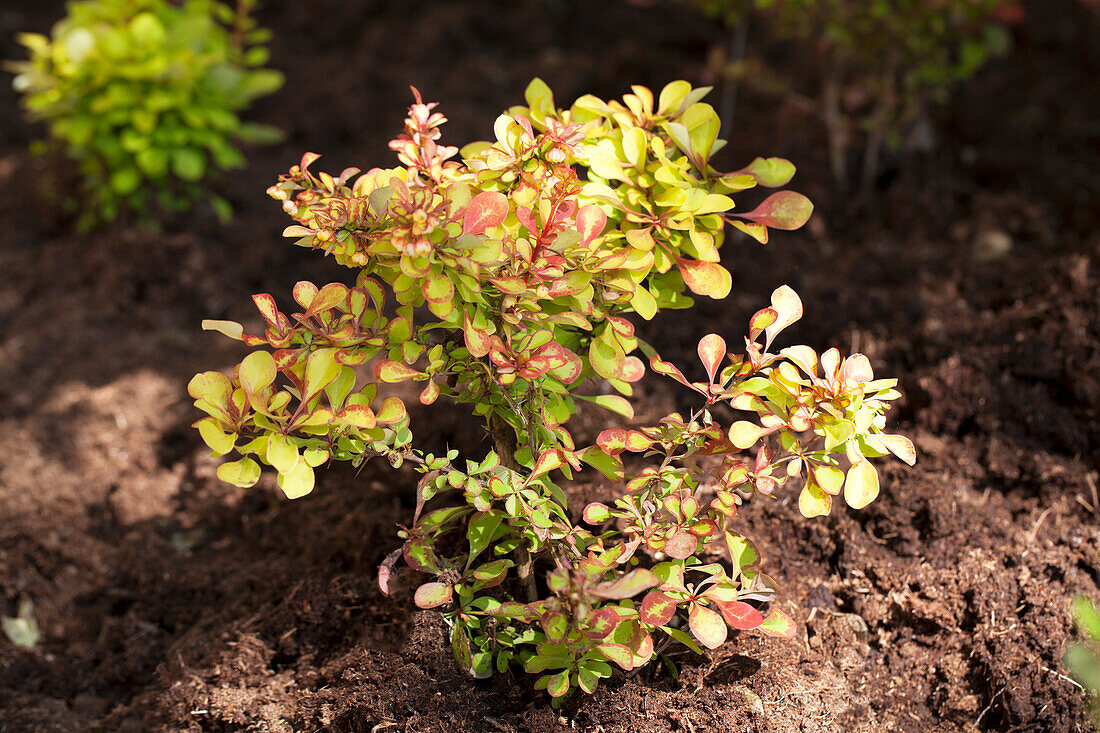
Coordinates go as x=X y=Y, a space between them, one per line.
x=485 y=210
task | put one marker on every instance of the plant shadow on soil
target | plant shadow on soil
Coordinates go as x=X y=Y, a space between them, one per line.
x=169 y=601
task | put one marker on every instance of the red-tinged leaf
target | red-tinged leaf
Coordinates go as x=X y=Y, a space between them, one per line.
x=432 y=595
x=596 y=513
x=778 y=624
x=759 y=232
x=705 y=278
x=547 y=462
x=232 y=329
x=626 y=586
x=509 y=285
x=784 y=210
x=308 y=159
x=420 y=556
x=558 y=684
x=669 y=370
x=707 y=626
x=620 y=654
x=394 y=371
x=657 y=608
x=788 y=309
x=304 y=291
x=636 y=442
x=590 y=223
x=571 y=367
x=769 y=172
x=438 y=289
x=612 y=441
x=570 y=283
x=391 y=411
x=621 y=326
x=527 y=219
x=681 y=545
x=430 y=393
x=857 y=370
x=477 y=340
x=712 y=350
x=327 y=298
x=352 y=356
x=487 y=209
x=900 y=446
x=601 y=623
x=385 y=571
x=555 y=625
x=518 y=611
x=761 y=320
x=296 y=230
x=633 y=369
x=266 y=305
x=739 y=614
x=360 y=416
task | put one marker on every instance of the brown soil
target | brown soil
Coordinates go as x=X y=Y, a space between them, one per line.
x=171 y=602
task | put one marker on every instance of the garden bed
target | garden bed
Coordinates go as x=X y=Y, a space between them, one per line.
x=170 y=601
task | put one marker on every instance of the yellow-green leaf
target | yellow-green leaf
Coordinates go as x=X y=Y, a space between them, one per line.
x=243 y=473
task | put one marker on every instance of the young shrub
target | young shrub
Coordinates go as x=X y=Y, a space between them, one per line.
x=145 y=95
x=1083 y=657
x=513 y=267
x=881 y=63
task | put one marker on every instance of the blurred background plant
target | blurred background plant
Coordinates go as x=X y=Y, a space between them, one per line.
x=882 y=63
x=144 y=95
x=1083 y=657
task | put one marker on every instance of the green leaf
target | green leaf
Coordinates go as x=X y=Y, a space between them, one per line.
x=298 y=482
x=22 y=630
x=219 y=441
x=257 y=372
x=188 y=164
x=125 y=181
x=243 y=473
x=480 y=532
x=770 y=172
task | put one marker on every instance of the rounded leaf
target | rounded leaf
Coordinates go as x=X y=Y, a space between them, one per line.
x=861 y=485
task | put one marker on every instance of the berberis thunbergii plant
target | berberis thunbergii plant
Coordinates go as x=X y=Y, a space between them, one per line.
x=144 y=95
x=514 y=266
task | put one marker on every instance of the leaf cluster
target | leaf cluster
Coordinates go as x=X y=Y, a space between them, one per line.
x=1083 y=656
x=891 y=58
x=145 y=96
x=514 y=265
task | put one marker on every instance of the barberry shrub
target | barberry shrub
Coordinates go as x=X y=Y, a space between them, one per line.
x=145 y=96
x=1083 y=656
x=514 y=266
x=882 y=62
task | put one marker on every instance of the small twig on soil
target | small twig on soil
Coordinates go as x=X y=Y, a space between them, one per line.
x=1095 y=496
x=1035 y=530
x=1061 y=676
x=989 y=706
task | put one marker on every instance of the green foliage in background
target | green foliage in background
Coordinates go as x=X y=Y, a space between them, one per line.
x=882 y=61
x=144 y=94
x=1083 y=657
